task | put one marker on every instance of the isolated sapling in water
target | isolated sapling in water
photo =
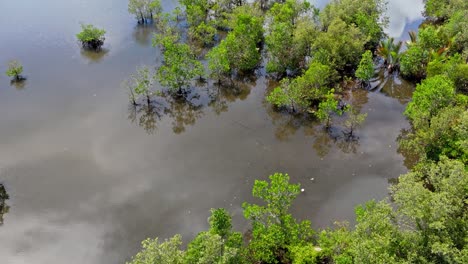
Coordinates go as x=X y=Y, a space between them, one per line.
x=14 y=70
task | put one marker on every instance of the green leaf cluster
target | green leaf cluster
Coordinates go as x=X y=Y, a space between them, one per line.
x=275 y=231
x=91 y=37
x=145 y=10
x=429 y=98
x=365 y=70
x=15 y=69
x=289 y=36
x=240 y=47
x=303 y=91
x=368 y=16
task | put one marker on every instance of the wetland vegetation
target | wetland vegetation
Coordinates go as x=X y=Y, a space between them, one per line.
x=240 y=90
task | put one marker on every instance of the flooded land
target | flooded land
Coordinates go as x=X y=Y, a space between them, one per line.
x=88 y=176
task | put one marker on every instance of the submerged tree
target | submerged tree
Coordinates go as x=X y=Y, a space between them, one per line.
x=15 y=69
x=218 y=62
x=289 y=94
x=145 y=10
x=204 y=34
x=140 y=84
x=180 y=65
x=289 y=29
x=429 y=98
x=365 y=70
x=369 y=17
x=354 y=120
x=303 y=91
x=91 y=37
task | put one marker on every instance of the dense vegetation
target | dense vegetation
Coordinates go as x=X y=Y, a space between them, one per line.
x=311 y=52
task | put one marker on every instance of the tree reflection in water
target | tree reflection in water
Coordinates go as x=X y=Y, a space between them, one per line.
x=393 y=85
x=3 y=206
x=185 y=109
x=94 y=56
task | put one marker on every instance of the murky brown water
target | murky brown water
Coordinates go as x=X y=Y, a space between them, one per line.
x=89 y=178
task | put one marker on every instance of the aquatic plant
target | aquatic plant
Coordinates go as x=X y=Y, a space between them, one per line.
x=14 y=70
x=91 y=37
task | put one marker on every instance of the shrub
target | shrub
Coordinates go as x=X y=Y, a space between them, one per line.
x=91 y=37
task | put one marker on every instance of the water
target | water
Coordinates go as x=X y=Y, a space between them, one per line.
x=88 y=178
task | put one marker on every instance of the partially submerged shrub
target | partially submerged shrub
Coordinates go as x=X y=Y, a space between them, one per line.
x=14 y=70
x=91 y=37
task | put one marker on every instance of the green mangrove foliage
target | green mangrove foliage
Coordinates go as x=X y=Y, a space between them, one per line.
x=354 y=120
x=333 y=47
x=289 y=36
x=145 y=10
x=14 y=71
x=239 y=51
x=365 y=70
x=301 y=92
x=91 y=37
x=327 y=108
x=140 y=85
x=180 y=65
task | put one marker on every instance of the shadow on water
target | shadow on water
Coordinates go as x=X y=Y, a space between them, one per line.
x=19 y=84
x=94 y=56
x=3 y=206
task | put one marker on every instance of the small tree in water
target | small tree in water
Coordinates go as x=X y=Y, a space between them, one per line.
x=14 y=70
x=140 y=85
x=327 y=107
x=355 y=119
x=289 y=95
x=143 y=81
x=91 y=37
x=180 y=66
x=145 y=10
x=365 y=71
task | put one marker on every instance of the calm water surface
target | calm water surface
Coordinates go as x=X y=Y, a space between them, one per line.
x=89 y=178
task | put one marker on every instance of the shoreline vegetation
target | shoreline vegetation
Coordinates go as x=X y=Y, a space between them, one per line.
x=315 y=54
